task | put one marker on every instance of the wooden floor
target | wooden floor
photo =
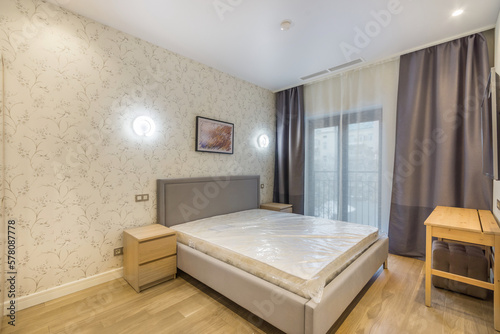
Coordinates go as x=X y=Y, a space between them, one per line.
x=392 y=302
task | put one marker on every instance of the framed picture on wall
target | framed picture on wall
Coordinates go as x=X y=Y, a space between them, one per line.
x=214 y=136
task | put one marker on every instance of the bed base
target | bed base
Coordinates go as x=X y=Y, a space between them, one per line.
x=281 y=308
x=182 y=200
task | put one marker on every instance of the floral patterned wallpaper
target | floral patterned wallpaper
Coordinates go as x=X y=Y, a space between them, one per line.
x=73 y=163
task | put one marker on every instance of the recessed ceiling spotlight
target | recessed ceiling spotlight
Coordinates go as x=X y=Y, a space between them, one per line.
x=285 y=25
x=458 y=12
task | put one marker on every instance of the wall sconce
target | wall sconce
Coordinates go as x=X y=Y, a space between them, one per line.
x=263 y=141
x=144 y=126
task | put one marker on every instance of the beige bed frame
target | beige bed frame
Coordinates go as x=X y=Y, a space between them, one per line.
x=181 y=200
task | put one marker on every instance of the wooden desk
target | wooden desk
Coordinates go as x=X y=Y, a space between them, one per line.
x=466 y=225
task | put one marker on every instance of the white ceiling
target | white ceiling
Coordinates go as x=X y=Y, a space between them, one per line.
x=243 y=37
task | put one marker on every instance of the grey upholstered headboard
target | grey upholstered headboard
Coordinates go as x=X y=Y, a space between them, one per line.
x=183 y=200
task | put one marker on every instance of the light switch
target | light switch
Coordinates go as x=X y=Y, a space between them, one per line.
x=142 y=198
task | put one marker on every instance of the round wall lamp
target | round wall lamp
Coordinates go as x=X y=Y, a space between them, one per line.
x=144 y=126
x=263 y=141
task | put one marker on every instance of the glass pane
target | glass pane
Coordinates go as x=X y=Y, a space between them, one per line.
x=325 y=170
x=363 y=192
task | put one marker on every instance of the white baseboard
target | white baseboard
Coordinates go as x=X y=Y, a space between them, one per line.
x=63 y=290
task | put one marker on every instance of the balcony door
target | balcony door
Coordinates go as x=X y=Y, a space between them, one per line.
x=344 y=178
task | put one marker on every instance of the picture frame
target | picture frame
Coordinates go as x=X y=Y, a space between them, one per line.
x=214 y=136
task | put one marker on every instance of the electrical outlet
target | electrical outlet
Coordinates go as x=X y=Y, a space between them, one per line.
x=118 y=251
x=498 y=204
x=142 y=198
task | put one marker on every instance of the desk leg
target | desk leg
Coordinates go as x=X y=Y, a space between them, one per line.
x=428 y=265
x=496 y=285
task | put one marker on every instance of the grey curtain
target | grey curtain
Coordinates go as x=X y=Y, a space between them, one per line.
x=289 y=160
x=438 y=159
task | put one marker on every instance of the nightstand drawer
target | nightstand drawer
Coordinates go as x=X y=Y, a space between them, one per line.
x=156 y=248
x=156 y=270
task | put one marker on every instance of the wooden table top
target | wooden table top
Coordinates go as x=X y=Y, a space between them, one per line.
x=471 y=220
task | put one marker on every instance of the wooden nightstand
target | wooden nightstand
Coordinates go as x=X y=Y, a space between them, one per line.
x=149 y=256
x=277 y=207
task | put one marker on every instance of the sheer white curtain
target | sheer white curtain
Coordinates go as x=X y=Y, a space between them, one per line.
x=350 y=140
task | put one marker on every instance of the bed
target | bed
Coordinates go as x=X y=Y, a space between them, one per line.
x=185 y=200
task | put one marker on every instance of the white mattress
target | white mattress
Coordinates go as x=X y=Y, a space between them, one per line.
x=299 y=253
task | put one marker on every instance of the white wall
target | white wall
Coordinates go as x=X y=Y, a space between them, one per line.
x=73 y=164
x=496 y=184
